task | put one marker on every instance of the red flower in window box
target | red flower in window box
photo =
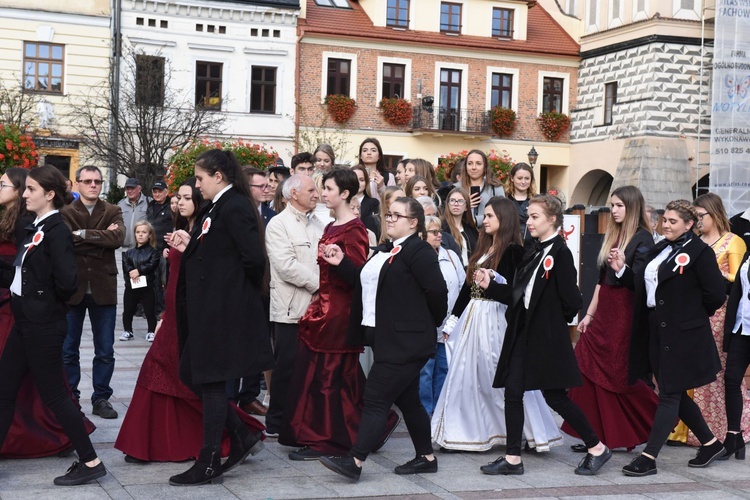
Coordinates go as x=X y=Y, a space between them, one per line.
x=17 y=148
x=340 y=107
x=396 y=111
x=553 y=124
x=503 y=121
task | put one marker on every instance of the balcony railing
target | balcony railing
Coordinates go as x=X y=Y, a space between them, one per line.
x=452 y=119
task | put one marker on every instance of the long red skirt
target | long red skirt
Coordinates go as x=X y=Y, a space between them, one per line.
x=621 y=414
x=325 y=402
x=35 y=431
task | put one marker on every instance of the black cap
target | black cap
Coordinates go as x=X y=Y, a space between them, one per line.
x=132 y=182
x=159 y=185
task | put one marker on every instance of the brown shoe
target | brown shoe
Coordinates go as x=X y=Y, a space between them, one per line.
x=255 y=407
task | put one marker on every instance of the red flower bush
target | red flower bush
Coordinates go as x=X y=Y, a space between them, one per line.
x=340 y=107
x=396 y=111
x=17 y=148
x=500 y=163
x=503 y=121
x=553 y=125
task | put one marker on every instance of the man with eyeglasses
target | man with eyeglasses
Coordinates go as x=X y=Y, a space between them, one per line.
x=260 y=190
x=98 y=230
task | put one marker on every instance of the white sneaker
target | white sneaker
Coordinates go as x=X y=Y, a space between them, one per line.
x=150 y=336
x=267 y=400
x=126 y=336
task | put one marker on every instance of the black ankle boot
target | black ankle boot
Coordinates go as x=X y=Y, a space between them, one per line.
x=735 y=445
x=207 y=469
x=243 y=443
x=707 y=454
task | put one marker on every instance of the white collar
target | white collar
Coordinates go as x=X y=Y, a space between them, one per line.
x=746 y=214
x=400 y=240
x=40 y=219
x=218 y=195
x=548 y=239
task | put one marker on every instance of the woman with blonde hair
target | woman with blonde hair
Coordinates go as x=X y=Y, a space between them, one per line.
x=713 y=227
x=419 y=166
x=457 y=220
x=377 y=223
x=620 y=413
x=421 y=186
x=325 y=158
x=521 y=188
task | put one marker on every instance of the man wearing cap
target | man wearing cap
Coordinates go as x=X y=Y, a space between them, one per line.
x=159 y=215
x=134 y=207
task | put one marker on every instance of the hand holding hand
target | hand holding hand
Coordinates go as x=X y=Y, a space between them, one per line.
x=482 y=277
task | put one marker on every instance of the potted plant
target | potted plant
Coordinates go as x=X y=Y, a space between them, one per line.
x=340 y=107
x=17 y=148
x=500 y=163
x=182 y=163
x=503 y=121
x=553 y=124
x=396 y=111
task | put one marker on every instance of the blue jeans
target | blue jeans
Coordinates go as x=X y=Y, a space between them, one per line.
x=103 y=329
x=432 y=377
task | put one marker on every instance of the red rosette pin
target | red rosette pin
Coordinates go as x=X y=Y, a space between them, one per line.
x=394 y=251
x=36 y=239
x=681 y=261
x=205 y=228
x=548 y=264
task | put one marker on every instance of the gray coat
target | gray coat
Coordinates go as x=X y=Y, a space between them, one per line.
x=132 y=213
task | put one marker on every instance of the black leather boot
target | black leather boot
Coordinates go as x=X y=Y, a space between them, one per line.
x=735 y=445
x=207 y=469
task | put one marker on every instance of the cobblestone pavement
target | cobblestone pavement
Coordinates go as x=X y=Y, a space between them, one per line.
x=271 y=475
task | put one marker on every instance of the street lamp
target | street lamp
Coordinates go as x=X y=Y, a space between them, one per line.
x=533 y=155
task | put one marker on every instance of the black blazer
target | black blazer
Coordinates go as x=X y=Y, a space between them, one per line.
x=222 y=326
x=49 y=275
x=369 y=206
x=549 y=360
x=411 y=302
x=507 y=266
x=687 y=355
x=635 y=256
x=267 y=212
x=733 y=304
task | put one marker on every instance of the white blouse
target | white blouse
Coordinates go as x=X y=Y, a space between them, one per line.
x=743 y=308
x=370 y=277
x=651 y=276
x=530 y=286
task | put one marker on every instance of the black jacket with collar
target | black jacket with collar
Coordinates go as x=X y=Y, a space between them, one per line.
x=144 y=259
x=49 y=276
x=733 y=303
x=411 y=301
x=549 y=361
x=685 y=300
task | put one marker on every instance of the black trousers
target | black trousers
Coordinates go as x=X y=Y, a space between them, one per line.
x=217 y=414
x=130 y=300
x=557 y=399
x=389 y=383
x=284 y=355
x=738 y=359
x=36 y=348
x=671 y=407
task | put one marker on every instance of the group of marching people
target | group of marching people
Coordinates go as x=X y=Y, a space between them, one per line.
x=462 y=295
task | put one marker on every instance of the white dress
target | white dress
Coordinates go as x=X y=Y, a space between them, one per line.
x=470 y=413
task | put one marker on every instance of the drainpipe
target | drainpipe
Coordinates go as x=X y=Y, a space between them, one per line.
x=114 y=94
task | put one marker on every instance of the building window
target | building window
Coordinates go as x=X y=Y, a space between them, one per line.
x=398 y=14
x=149 y=81
x=592 y=13
x=43 y=67
x=339 y=76
x=393 y=80
x=610 y=98
x=502 y=23
x=208 y=84
x=139 y=21
x=502 y=90
x=263 y=90
x=450 y=17
x=687 y=4
x=340 y=4
x=552 y=95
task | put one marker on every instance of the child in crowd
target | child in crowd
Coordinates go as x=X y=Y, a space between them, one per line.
x=138 y=266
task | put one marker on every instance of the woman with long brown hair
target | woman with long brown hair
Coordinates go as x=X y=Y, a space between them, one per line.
x=457 y=220
x=621 y=413
x=470 y=414
x=521 y=188
x=371 y=157
x=480 y=181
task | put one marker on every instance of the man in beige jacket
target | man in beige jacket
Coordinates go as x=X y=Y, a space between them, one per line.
x=292 y=245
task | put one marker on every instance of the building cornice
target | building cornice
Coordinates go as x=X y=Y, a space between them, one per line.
x=227 y=12
x=54 y=17
x=638 y=42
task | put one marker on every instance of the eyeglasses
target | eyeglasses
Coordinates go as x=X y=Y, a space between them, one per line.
x=457 y=201
x=4 y=185
x=434 y=232
x=88 y=182
x=700 y=216
x=395 y=217
x=262 y=187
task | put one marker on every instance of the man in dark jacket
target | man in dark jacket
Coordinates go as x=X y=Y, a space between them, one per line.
x=98 y=230
x=159 y=215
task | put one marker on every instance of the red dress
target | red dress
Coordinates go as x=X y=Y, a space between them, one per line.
x=326 y=390
x=35 y=431
x=621 y=414
x=164 y=422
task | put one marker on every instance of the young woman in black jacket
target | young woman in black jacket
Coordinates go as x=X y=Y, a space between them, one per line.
x=41 y=280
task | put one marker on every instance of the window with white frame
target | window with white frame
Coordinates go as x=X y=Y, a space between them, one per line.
x=610 y=98
x=339 y=75
x=394 y=78
x=553 y=91
x=502 y=87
